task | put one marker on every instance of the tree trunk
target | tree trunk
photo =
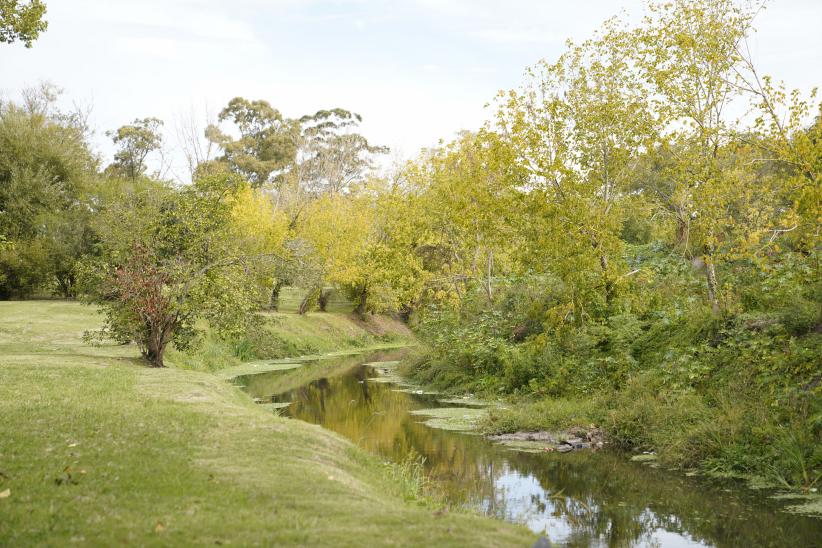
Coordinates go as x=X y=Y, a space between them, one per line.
x=323 y=299
x=158 y=339
x=578 y=311
x=713 y=286
x=489 y=289
x=361 y=302
x=683 y=230
x=65 y=284
x=607 y=282
x=274 y=300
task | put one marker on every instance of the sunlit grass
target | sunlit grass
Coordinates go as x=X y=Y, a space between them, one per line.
x=97 y=449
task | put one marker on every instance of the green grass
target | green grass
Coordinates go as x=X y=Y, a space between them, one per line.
x=288 y=335
x=97 y=449
x=546 y=414
x=291 y=297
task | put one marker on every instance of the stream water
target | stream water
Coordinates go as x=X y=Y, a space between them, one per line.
x=577 y=499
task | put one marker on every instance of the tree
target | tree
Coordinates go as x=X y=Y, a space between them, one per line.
x=465 y=195
x=46 y=173
x=687 y=51
x=333 y=156
x=782 y=133
x=578 y=127
x=183 y=259
x=362 y=248
x=267 y=145
x=22 y=21
x=135 y=142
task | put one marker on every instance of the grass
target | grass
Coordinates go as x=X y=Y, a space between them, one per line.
x=546 y=414
x=287 y=335
x=97 y=449
x=291 y=297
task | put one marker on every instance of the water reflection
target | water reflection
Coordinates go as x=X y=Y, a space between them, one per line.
x=578 y=499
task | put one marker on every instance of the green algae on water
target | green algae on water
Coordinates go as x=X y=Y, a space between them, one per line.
x=462 y=419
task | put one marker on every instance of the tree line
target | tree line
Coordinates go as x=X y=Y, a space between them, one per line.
x=649 y=139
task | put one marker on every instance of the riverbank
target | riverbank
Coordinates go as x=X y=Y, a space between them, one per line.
x=680 y=431
x=97 y=449
x=579 y=497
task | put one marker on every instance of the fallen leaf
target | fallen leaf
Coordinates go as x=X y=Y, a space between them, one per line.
x=5 y=494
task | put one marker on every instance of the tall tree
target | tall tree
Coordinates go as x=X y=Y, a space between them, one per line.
x=333 y=154
x=135 y=142
x=578 y=127
x=267 y=142
x=688 y=53
x=46 y=169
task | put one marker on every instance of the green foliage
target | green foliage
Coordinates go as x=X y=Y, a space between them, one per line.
x=22 y=21
x=47 y=176
x=178 y=262
x=134 y=143
x=656 y=255
x=266 y=144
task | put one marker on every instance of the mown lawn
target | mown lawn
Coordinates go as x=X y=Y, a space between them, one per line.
x=97 y=449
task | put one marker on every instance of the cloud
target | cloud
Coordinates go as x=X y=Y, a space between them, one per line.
x=518 y=36
x=417 y=70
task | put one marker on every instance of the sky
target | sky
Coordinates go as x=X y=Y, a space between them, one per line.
x=417 y=70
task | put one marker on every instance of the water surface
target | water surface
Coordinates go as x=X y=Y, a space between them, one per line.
x=576 y=499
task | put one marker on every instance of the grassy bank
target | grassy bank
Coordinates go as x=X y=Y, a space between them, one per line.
x=97 y=449
x=287 y=335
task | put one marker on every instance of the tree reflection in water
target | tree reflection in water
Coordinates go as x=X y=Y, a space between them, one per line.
x=578 y=499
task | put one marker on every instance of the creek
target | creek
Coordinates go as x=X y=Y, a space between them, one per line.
x=582 y=498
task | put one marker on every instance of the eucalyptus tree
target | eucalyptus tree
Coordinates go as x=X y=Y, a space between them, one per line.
x=332 y=154
x=266 y=147
x=134 y=143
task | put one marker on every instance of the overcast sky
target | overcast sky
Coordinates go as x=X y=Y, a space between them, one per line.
x=417 y=70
